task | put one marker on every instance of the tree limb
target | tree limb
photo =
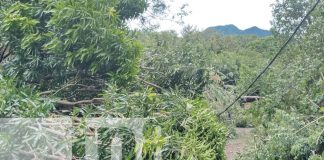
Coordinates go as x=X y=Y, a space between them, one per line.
x=148 y=68
x=95 y=101
x=251 y=97
x=45 y=93
x=151 y=84
x=86 y=88
x=3 y=54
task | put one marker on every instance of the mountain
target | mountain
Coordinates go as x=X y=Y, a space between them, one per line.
x=256 y=31
x=233 y=30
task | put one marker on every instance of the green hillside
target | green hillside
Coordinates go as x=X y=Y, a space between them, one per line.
x=233 y=30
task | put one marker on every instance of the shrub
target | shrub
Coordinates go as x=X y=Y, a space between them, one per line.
x=189 y=128
x=22 y=102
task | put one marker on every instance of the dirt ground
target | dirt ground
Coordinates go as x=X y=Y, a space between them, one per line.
x=238 y=144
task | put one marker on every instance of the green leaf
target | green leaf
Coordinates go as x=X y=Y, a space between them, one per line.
x=321 y=110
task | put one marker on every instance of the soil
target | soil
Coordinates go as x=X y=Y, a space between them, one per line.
x=239 y=143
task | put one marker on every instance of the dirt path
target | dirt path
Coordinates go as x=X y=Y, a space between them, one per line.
x=238 y=144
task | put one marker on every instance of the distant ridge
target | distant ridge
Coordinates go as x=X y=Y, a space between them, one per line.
x=231 y=29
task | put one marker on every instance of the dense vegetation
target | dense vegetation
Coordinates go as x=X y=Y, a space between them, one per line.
x=80 y=59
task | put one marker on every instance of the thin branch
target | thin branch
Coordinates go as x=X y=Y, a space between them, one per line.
x=67 y=86
x=319 y=137
x=151 y=84
x=322 y=76
x=45 y=93
x=306 y=96
x=3 y=54
x=95 y=101
x=148 y=68
x=308 y=124
x=86 y=88
x=251 y=97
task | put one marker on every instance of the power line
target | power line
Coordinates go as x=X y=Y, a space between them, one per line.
x=272 y=60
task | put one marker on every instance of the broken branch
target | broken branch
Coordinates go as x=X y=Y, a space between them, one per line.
x=95 y=101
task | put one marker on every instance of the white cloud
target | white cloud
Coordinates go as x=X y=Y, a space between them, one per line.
x=206 y=13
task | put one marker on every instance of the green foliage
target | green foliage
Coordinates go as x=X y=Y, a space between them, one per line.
x=242 y=118
x=287 y=15
x=289 y=114
x=177 y=63
x=22 y=102
x=189 y=128
x=266 y=46
x=91 y=39
x=284 y=138
x=129 y=9
x=74 y=48
x=316 y=157
x=53 y=41
x=186 y=63
x=236 y=68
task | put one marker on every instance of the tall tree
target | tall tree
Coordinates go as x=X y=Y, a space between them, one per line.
x=55 y=43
